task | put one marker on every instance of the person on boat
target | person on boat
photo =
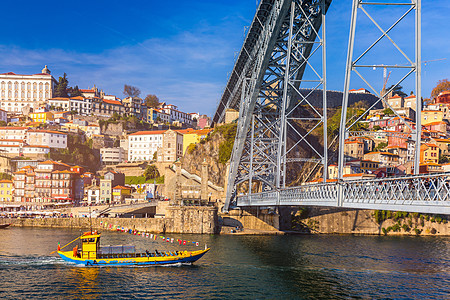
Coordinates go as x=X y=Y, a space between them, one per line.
x=147 y=252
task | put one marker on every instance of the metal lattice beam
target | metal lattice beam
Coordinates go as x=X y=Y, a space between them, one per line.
x=267 y=110
x=413 y=66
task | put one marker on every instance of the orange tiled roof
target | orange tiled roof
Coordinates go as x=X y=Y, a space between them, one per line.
x=13 y=128
x=112 y=102
x=149 y=132
x=121 y=187
x=47 y=131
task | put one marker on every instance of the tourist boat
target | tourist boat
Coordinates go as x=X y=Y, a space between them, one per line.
x=4 y=225
x=92 y=254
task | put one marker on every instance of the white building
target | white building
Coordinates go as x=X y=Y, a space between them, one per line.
x=12 y=142
x=176 y=115
x=49 y=138
x=112 y=156
x=13 y=133
x=82 y=105
x=142 y=145
x=93 y=194
x=90 y=130
x=24 y=150
x=59 y=102
x=19 y=91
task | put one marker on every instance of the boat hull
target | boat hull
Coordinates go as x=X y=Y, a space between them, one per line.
x=185 y=258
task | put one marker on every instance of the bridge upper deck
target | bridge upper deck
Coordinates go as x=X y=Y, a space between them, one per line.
x=415 y=193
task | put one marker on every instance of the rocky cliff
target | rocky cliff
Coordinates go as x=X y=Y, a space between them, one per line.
x=215 y=150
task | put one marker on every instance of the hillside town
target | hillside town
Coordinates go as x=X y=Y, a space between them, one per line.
x=386 y=147
x=57 y=151
x=95 y=149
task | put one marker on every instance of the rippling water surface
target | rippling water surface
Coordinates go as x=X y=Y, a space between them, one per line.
x=237 y=267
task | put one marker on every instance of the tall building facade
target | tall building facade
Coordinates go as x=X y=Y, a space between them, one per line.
x=142 y=145
x=20 y=91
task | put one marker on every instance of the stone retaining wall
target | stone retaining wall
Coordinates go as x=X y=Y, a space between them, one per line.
x=345 y=221
x=251 y=219
x=179 y=220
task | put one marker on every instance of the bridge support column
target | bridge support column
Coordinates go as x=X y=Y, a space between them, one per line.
x=276 y=117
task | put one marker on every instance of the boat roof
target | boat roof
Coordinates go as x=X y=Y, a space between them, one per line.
x=90 y=235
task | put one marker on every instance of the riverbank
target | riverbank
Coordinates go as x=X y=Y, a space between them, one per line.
x=207 y=220
x=179 y=219
x=369 y=222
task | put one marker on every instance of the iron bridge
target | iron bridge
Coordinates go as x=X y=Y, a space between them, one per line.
x=426 y=194
x=285 y=51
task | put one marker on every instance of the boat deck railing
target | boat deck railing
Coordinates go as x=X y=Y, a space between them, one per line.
x=136 y=254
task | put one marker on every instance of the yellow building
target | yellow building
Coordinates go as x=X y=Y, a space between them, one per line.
x=41 y=117
x=429 y=153
x=6 y=187
x=430 y=116
x=192 y=136
x=369 y=165
x=120 y=192
x=444 y=146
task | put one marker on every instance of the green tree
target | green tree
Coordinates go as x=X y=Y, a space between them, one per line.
x=398 y=90
x=226 y=147
x=151 y=101
x=388 y=111
x=116 y=142
x=61 y=87
x=442 y=85
x=131 y=91
x=443 y=159
x=380 y=146
x=74 y=91
x=151 y=172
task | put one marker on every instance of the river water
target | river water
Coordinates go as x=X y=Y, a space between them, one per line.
x=237 y=267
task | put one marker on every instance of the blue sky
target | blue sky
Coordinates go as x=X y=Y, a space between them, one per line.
x=181 y=51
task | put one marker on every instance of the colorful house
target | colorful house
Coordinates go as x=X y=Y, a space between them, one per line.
x=6 y=190
x=429 y=153
x=191 y=136
x=430 y=116
x=120 y=192
x=41 y=117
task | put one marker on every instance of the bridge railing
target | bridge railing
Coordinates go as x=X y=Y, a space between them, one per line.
x=424 y=193
x=415 y=193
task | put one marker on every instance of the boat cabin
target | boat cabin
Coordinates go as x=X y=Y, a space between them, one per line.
x=90 y=242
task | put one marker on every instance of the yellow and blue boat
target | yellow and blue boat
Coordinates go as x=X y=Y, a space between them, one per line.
x=92 y=254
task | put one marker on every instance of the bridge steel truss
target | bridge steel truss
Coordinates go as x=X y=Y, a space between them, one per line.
x=415 y=193
x=413 y=66
x=283 y=35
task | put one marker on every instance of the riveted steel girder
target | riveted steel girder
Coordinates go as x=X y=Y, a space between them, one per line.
x=267 y=80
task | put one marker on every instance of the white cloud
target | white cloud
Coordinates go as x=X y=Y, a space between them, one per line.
x=188 y=69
